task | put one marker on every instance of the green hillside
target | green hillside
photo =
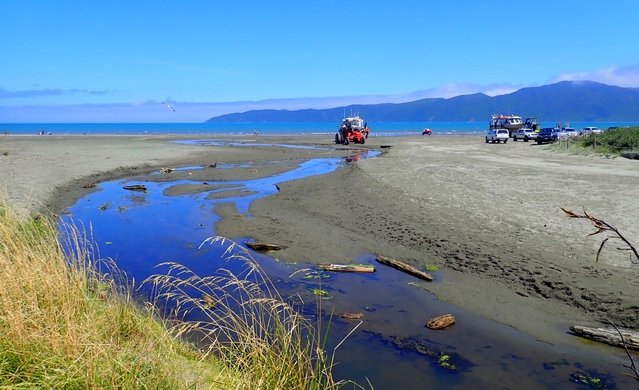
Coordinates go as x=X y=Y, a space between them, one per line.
x=579 y=101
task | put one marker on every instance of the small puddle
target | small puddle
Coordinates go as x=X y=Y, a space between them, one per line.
x=392 y=348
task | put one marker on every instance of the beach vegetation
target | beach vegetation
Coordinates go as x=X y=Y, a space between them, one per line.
x=444 y=361
x=71 y=320
x=321 y=293
x=430 y=268
x=611 y=143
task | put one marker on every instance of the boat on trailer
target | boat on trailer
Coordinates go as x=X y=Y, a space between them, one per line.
x=509 y=122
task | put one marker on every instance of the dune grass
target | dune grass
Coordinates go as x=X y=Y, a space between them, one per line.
x=610 y=143
x=64 y=323
x=244 y=321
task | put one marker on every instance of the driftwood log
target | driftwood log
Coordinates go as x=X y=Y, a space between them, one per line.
x=441 y=322
x=609 y=335
x=166 y=170
x=353 y=316
x=261 y=246
x=345 y=268
x=135 y=187
x=404 y=267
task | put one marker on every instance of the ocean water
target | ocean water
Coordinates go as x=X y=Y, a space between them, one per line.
x=377 y=129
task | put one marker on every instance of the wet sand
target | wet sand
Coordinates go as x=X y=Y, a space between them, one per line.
x=487 y=215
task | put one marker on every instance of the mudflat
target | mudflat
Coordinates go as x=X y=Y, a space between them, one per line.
x=486 y=214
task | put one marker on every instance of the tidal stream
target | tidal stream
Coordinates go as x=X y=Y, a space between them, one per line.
x=392 y=348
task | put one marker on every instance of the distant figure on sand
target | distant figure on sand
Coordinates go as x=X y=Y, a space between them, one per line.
x=427 y=132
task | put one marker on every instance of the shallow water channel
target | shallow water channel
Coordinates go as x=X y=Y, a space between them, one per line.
x=392 y=348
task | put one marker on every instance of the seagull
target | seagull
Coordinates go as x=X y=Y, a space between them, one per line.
x=169 y=106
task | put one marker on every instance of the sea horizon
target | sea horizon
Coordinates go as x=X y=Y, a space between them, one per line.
x=293 y=128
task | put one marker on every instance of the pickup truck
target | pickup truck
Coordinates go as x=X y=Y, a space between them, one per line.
x=546 y=135
x=497 y=135
x=525 y=134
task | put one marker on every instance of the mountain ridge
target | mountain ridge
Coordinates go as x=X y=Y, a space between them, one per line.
x=578 y=101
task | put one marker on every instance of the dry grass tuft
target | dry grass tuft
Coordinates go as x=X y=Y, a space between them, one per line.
x=63 y=325
x=67 y=320
x=246 y=323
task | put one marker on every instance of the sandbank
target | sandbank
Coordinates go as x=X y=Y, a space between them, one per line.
x=487 y=215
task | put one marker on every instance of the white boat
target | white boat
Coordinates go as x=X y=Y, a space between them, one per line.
x=354 y=123
x=510 y=122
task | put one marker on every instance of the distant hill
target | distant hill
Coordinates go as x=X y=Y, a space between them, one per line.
x=577 y=101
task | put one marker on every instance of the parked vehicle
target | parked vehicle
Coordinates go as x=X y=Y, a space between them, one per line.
x=546 y=135
x=525 y=134
x=352 y=129
x=510 y=122
x=532 y=123
x=497 y=135
x=427 y=132
x=590 y=130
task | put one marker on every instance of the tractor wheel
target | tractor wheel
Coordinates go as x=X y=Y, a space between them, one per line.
x=337 y=140
x=345 y=140
x=363 y=141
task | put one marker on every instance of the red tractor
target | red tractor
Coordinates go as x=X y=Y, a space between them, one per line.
x=352 y=130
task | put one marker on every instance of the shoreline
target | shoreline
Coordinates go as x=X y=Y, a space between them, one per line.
x=423 y=201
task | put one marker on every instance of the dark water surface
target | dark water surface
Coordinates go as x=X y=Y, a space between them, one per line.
x=392 y=348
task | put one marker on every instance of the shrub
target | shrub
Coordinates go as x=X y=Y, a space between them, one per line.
x=614 y=140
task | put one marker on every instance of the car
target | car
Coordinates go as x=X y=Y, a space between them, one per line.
x=525 y=134
x=546 y=135
x=497 y=135
x=590 y=130
x=570 y=132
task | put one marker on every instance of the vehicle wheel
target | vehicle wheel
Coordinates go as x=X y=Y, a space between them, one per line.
x=486 y=139
x=337 y=138
x=525 y=139
x=363 y=141
x=538 y=142
x=345 y=140
x=505 y=140
x=514 y=139
x=498 y=141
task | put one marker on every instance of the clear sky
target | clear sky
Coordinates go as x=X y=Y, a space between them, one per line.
x=134 y=53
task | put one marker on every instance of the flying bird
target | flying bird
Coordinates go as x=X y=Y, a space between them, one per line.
x=169 y=106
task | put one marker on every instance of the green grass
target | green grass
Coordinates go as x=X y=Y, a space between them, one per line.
x=615 y=140
x=609 y=142
x=65 y=325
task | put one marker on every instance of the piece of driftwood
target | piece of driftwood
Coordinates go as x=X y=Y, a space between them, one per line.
x=404 y=267
x=261 y=246
x=441 y=322
x=609 y=335
x=346 y=268
x=166 y=170
x=214 y=165
x=135 y=187
x=353 y=316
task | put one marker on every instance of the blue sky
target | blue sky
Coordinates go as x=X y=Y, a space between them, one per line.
x=67 y=60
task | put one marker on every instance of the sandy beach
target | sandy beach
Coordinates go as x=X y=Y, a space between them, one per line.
x=487 y=215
